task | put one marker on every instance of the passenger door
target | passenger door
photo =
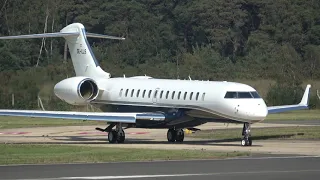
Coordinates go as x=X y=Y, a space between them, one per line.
x=155 y=96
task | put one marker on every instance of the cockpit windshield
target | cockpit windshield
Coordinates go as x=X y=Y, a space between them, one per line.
x=255 y=94
x=242 y=95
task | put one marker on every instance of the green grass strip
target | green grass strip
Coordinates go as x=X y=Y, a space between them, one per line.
x=49 y=154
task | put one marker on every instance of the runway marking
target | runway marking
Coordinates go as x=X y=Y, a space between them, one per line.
x=173 y=175
x=13 y=133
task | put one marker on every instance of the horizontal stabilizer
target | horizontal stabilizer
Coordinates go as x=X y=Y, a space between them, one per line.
x=103 y=36
x=30 y=36
x=61 y=34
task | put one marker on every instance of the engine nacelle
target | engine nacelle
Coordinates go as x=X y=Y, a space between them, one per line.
x=77 y=90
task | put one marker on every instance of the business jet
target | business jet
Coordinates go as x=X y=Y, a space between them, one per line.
x=147 y=102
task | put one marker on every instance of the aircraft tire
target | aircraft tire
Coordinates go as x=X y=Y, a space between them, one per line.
x=249 y=142
x=112 y=136
x=171 y=135
x=180 y=135
x=246 y=142
x=121 y=136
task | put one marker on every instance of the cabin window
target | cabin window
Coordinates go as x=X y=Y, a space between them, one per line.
x=120 y=93
x=191 y=94
x=127 y=90
x=161 y=94
x=179 y=94
x=197 y=96
x=203 y=95
x=138 y=93
x=132 y=92
x=155 y=94
x=185 y=96
x=144 y=93
x=149 y=95
x=173 y=94
x=167 y=95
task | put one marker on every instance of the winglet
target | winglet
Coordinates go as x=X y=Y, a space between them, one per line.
x=305 y=98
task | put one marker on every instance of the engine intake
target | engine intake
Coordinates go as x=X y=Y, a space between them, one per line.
x=77 y=90
x=88 y=89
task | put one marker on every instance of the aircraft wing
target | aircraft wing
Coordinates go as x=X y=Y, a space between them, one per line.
x=302 y=105
x=93 y=116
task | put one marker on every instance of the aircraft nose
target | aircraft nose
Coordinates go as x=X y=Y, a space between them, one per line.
x=261 y=112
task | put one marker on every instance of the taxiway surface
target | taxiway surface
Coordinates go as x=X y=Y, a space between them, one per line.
x=262 y=168
x=156 y=139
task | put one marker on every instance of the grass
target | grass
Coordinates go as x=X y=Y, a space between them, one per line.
x=7 y=122
x=50 y=154
x=293 y=133
x=296 y=115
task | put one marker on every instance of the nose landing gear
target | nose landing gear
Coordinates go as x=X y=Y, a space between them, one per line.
x=246 y=140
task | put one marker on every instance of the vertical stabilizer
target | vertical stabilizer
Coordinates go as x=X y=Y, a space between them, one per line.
x=83 y=59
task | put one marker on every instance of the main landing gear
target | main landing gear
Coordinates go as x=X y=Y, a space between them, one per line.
x=175 y=135
x=114 y=135
x=246 y=140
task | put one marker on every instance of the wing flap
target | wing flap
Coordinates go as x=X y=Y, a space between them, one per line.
x=109 y=117
x=94 y=116
x=302 y=105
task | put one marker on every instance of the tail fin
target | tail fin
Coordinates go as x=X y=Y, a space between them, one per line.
x=83 y=59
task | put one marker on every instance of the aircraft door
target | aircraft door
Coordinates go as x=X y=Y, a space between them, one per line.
x=155 y=96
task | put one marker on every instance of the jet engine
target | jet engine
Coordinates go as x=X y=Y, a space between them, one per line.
x=77 y=90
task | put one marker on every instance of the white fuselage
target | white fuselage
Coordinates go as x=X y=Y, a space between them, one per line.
x=203 y=96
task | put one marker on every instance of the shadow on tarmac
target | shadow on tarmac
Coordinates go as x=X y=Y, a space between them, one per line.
x=194 y=141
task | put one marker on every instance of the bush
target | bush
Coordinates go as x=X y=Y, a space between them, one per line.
x=282 y=94
x=314 y=101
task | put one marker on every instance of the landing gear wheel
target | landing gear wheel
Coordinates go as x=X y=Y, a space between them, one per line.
x=243 y=142
x=246 y=140
x=120 y=136
x=249 y=141
x=112 y=136
x=171 y=135
x=180 y=135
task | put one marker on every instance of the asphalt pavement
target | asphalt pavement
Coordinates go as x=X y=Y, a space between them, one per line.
x=241 y=169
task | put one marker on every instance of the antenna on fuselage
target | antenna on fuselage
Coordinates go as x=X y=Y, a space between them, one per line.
x=124 y=76
x=190 y=78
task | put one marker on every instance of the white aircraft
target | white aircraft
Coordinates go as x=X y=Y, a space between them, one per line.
x=146 y=102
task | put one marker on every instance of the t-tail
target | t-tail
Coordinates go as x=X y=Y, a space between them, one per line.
x=83 y=59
